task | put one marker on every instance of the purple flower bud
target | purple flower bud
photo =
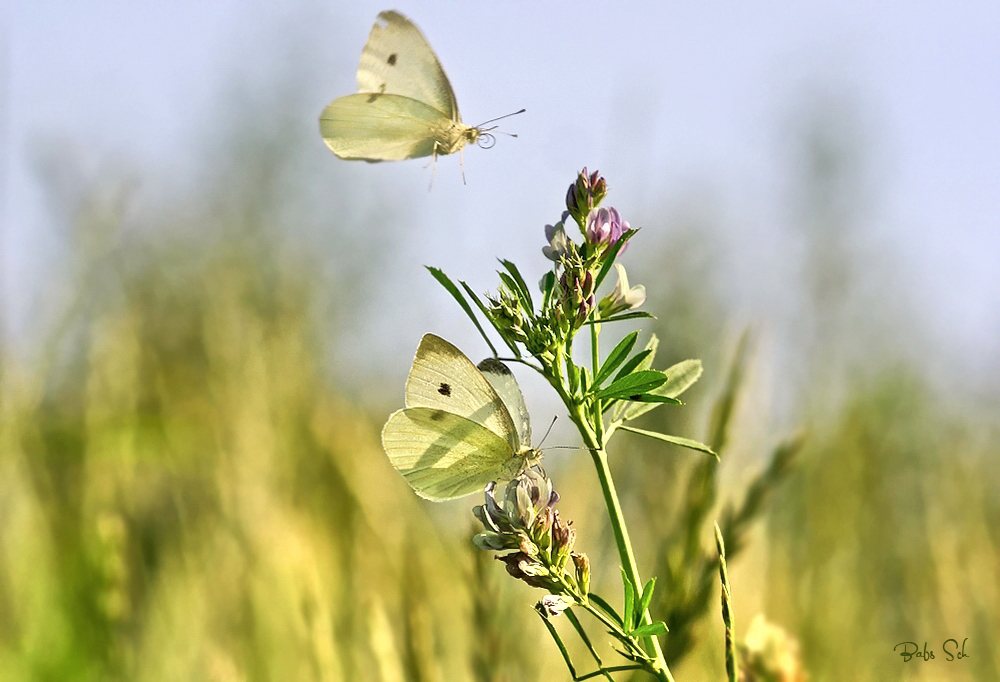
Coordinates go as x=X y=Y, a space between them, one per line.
x=583 y=195
x=524 y=567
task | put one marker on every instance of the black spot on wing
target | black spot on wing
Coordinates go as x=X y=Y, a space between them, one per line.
x=437 y=415
x=444 y=389
x=372 y=97
x=495 y=366
x=392 y=59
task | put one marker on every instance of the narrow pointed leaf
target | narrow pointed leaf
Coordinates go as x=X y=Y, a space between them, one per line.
x=632 y=315
x=616 y=357
x=680 y=377
x=633 y=362
x=643 y=364
x=606 y=607
x=486 y=314
x=651 y=630
x=636 y=383
x=647 y=597
x=522 y=295
x=548 y=284
x=629 y=614
x=516 y=274
x=675 y=440
x=609 y=259
x=446 y=282
x=652 y=397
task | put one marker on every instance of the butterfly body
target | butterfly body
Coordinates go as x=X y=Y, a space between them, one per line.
x=463 y=426
x=404 y=108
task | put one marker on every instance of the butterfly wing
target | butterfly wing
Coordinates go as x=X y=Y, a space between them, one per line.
x=375 y=127
x=442 y=378
x=503 y=382
x=443 y=455
x=397 y=60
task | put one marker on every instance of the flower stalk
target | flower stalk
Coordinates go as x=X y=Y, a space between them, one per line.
x=524 y=527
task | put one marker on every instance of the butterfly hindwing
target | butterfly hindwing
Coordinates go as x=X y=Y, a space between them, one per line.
x=443 y=455
x=504 y=383
x=379 y=127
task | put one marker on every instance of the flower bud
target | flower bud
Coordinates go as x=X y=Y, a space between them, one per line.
x=582 y=564
x=583 y=195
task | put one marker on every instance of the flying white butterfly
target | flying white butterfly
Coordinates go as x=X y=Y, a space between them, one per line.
x=404 y=108
x=462 y=426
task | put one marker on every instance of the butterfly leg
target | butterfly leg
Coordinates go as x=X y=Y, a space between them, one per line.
x=434 y=165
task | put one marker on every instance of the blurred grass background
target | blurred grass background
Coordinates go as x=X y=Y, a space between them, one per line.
x=188 y=492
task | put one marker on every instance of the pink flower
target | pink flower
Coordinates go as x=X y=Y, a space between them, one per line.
x=605 y=226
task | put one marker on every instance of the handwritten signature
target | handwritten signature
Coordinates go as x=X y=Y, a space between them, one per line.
x=911 y=650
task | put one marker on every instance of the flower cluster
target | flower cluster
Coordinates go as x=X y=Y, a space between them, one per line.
x=578 y=267
x=569 y=290
x=538 y=544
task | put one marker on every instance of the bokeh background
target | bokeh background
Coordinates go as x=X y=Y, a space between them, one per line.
x=207 y=316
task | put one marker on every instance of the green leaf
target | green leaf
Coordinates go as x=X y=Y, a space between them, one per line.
x=616 y=357
x=634 y=384
x=606 y=607
x=630 y=589
x=652 y=397
x=548 y=284
x=515 y=273
x=643 y=364
x=457 y=295
x=633 y=315
x=675 y=440
x=632 y=363
x=647 y=597
x=651 y=630
x=486 y=314
x=522 y=296
x=609 y=258
x=680 y=377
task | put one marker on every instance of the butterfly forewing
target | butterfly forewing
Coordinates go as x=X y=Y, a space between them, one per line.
x=442 y=378
x=397 y=60
x=443 y=455
x=503 y=382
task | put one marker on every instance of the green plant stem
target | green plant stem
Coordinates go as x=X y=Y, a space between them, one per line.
x=593 y=443
x=600 y=457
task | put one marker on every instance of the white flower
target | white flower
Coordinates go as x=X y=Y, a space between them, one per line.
x=553 y=605
x=623 y=297
x=559 y=244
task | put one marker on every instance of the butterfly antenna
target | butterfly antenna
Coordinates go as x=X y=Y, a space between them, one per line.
x=548 y=431
x=500 y=117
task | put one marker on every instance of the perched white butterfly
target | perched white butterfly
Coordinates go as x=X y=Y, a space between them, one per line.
x=462 y=426
x=404 y=108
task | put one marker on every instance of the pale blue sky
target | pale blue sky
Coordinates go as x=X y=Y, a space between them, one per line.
x=665 y=98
